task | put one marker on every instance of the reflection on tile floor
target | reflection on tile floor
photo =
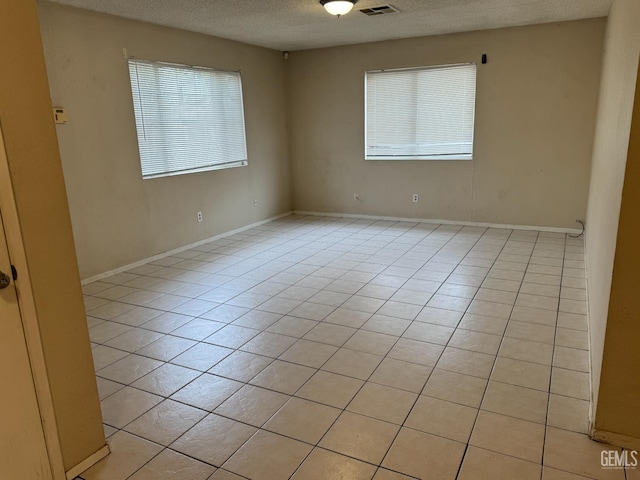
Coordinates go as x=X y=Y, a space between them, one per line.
x=321 y=348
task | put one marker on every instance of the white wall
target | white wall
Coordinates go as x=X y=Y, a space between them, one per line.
x=118 y=218
x=620 y=63
x=535 y=118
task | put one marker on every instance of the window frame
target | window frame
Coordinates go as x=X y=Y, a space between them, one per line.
x=198 y=167
x=436 y=157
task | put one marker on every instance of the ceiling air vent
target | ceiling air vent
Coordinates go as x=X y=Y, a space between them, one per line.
x=381 y=10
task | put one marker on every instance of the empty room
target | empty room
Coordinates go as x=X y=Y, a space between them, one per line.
x=304 y=239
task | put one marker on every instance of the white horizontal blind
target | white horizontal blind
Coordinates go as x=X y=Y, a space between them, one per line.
x=423 y=113
x=188 y=119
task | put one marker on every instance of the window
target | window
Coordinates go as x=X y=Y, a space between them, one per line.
x=188 y=119
x=420 y=113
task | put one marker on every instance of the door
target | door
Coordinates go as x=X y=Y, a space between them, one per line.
x=23 y=453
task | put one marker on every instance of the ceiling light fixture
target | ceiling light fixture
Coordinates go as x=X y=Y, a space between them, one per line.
x=338 y=7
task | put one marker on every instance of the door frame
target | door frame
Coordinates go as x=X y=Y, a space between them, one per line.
x=29 y=317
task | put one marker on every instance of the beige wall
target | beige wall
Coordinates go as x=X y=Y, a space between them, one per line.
x=535 y=116
x=117 y=217
x=41 y=245
x=620 y=62
x=618 y=410
x=622 y=47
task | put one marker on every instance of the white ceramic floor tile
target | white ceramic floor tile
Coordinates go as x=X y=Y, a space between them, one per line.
x=382 y=402
x=214 y=439
x=170 y=465
x=268 y=456
x=515 y=401
x=352 y=363
x=207 y=391
x=126 y=405
x=442 y=418
x=165 y=422
x=360 y=437
x=303 y=420
x=283 y=377
x=323 y=464
x=422 y=455
x=480 y=464
x=406 y=322
x=509 y=436
x=129 y=369
x=128 y=454
x=252 y=405
x=166 y=379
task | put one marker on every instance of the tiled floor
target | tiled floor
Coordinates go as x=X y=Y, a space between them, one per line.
x=322 y=348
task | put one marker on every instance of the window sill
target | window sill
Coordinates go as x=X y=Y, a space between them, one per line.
x=434 y=157
x=242 y=163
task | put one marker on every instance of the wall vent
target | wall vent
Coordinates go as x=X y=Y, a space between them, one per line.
x=381 y=10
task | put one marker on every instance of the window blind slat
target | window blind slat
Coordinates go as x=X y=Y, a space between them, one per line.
x=187 y=119
x=420 y=113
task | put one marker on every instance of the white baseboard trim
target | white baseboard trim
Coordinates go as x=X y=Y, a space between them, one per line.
x=616 y=439
x=88 y=462
x=441 y=222
x=144 y=261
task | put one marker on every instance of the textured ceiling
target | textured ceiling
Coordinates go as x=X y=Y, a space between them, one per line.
x=302 y=24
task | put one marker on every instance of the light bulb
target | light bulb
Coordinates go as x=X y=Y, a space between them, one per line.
x=338 y=7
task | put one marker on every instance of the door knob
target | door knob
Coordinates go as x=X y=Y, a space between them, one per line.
x=5 y=280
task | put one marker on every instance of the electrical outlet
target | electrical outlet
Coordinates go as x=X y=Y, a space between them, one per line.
x=416 y=198
x=356 y=196
x=199 y=216
x=255 y=202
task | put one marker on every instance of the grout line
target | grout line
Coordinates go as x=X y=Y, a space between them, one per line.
x=441 y=353
x=196 y=407
x=553 y=351
x=367 y=380
x=334 y=243
x=486 y=388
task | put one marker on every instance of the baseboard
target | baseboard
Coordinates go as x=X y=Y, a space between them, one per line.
x=592 y=393
x=442 y=222
x=616 y=439
x=144 y=261
x=88 y=462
